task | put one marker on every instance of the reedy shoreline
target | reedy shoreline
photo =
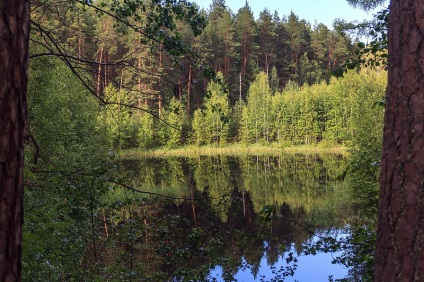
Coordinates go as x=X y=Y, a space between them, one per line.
x=234 y=150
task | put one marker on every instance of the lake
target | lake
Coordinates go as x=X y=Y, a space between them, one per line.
x=226 y=218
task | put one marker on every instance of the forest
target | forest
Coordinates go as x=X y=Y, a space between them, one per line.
x=274 y=80
x=109 y=78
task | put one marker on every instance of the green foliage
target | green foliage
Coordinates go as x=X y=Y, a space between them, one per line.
x=67 y=164
x=367 y=124
x=309 y=71
x=65 y=149
x=310 y=114
x=326 y=114
x=359 y=247
x=211 y=124
x=150 y=51
x=157 y=15
x=62 y=117
x=274 y=81
x=359 y=254
x=219 y=42
x=366 y=4
x=235 y=119
x=146 y=129
x=255 y=123
x=117 y=120
x=375 y=53
x=173 y=120
x=198 y=126
x=248 y=48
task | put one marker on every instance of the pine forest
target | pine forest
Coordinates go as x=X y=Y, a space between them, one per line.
x=274 y=80
x=111 y=81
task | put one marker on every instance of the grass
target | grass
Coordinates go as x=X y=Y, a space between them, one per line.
x=234 y=150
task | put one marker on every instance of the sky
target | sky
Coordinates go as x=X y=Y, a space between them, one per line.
x=324 y=11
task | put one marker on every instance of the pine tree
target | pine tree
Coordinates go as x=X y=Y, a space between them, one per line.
x=220 y=44
x=246 y=36
x=299 y=41
x=266 y=41
x=283 y=51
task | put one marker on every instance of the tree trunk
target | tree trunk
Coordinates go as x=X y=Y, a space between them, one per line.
x=14 y=35
x=99 y=74
x=160 y=80
x=244 y=66
x=400 y=235
x=188 y=90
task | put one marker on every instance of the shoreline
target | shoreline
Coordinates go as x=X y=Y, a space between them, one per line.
x=233 y=150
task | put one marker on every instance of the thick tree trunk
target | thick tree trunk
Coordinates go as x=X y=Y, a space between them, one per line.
x=14 y=34
x=400 y=236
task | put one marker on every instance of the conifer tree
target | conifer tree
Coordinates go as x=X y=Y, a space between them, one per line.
x=220 y=44
x=266 y=41
x=246 y=36
x=299 y=41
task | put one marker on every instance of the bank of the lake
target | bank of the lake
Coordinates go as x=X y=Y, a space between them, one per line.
x=234 y=150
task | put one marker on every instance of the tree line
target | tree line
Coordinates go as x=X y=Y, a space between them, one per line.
x=152 y=74
x=329 y=114
x=166 y=62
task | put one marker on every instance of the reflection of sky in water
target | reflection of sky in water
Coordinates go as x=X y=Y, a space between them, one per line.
x=309 y=268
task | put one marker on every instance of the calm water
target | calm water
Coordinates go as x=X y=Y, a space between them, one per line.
x=227 y=219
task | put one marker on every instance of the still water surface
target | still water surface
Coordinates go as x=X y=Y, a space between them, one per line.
x=228 y=218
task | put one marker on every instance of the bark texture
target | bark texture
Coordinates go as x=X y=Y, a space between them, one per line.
x=14 y=34
x=400 y=235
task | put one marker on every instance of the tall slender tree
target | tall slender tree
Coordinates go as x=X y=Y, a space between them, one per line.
x=319 y=45
x=299 y=38
x=282 y=40
x=247 y=32
x=266 y=41
x=220 y=39
x=14 y=38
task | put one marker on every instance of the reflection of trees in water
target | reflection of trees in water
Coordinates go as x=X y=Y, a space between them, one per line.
x=301 y=181
x=235 y=212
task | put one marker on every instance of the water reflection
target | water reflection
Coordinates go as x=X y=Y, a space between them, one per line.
x=230 y=217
